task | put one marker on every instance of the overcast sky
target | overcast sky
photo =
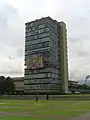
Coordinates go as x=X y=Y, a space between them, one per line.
x=14 y=14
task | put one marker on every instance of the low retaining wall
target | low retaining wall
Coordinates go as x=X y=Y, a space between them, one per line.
x=43 y=97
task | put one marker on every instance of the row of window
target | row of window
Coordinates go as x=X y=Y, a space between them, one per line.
x=41 y=51
x=37 y=32
x=41 y=75
x=41 y=38
x=31 y=42
x=38 y=45
x=34 y=27
x=45 y=55
x=35 y=81
x=53 y=39
x=42 y=86
x=38 y=90
x=37 y=36
x=40 y=42
x=37 y=86
x=36 y=50
x=30 y=28
x=41 y=71
x=37 y=76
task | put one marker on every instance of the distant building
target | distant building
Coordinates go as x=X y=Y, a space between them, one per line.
x=19 y=83
x=72 y=85
x=46 y=56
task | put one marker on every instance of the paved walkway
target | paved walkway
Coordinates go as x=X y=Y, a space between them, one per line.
x=85 y=116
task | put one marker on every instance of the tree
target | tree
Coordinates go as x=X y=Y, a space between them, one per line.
x=6 y=85
x=83 y=87
x=2 y=84
x=9 y=85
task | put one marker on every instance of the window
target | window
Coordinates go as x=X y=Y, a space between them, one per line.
x=45 y=70
x=45 y=44
x=28 y=38
x=35 y=46
x=41 y=26
x=43 y=35
x=44 y=86
x=33 y=86
x=35 y=37
x=41 y=31
x=32 y=81
x=31 y=24
x=26 y=86
x=33 y=28
x=38 y=86
x=47 y=58
x=49 y=75
x=46 y=29
x=28 y=34
x=26 y=81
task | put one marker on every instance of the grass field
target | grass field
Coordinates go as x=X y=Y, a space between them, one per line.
x=42 y=110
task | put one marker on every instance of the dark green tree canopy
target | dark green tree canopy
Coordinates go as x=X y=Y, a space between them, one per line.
x=6 y=85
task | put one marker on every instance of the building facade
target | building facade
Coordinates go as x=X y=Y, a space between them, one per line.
x=19 y=84
x=72 y=85
x=46 y=56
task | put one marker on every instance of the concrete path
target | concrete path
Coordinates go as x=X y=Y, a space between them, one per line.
x=85 y=116
x=15 y=114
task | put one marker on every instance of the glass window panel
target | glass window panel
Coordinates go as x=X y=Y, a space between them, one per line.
x=32 y=81
x=26 y=81
x=46 y=29
x=26 y=86
x=41 y=26
x=43 y=35
x=33 y=86
x=36 y=76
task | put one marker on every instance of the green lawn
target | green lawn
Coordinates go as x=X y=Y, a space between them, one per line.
x=24 y=118
x=42 y=110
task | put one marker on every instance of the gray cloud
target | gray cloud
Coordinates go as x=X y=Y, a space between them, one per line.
x=11 y=39
x=20 y=52
x=78 y=40
x=76 y=13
